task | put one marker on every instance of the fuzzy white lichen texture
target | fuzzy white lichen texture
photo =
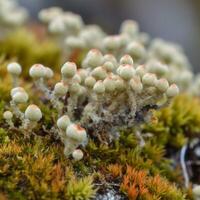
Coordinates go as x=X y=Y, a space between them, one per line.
x=74 y=35
x=94 y=100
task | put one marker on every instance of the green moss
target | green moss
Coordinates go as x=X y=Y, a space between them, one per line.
x=176 y=123
x=36 y=168
x=3 y=136
x=126 y=151
x=25 y=48
x=80 y=189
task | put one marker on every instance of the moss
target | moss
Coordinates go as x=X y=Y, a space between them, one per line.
x=3 y=136
x=139 y=184
x=32 y=170
x=176 y=123
x=26 y=49
x=80 y=189
x=35 y=167
x=127 y=151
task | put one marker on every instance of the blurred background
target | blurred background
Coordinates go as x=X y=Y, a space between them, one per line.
x=174 y=20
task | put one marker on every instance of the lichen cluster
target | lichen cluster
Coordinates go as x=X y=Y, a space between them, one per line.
x=12 y=16
x=98 y=99
x=76 y=37
x=109 y=123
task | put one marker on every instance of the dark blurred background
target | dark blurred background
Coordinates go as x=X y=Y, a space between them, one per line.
x=174 y=20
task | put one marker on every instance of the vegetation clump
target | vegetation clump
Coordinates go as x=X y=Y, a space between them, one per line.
x=109 y=123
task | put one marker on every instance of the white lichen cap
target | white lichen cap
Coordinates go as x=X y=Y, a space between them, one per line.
x=57 y=25
x=172 y=91
x=82 y=91
x=109 y=66
x=77 y=154
x=16 y=89
x=140 y=70
x=196 y=190
x=73 y=22
x=7 y=115
x=119 y=84
x=126 y=59
x=33 y=113
x=111 y=43
x=99 y=73
x=20 y=97
x=60 y=89
x=99 y=87
x=14 y=68
x=83 y=73
x=37 y=71
x=94 y=58
x=109 y=84
x=48 y=72
x=155 y=66
x=16 y=18
x=90 y=81
x=63 y=122
x=126 y=72
x=119 y=69
x=162 y=84
x=74 y=42
x=75 y=88
x=110 y=58
x=136 y=50
x=76 y=78
x=69 y=69
x=46 y=15
x=129 y=27
x=149 y=79
x=76 y=132
x=136 y=84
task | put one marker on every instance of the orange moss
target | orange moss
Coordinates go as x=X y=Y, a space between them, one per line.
x=115 y=170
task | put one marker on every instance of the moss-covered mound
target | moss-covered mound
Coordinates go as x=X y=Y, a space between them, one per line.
x=34 y=167
x=24 y=47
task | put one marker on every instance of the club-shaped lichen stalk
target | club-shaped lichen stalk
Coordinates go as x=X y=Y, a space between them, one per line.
x=39 y=72
x=7 y=115
x=32 y=115
x=15 y=70
x=76 y=135
x=60 y=90
x=62 y=123
x=19 y=96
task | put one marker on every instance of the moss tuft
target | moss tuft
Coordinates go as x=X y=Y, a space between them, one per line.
x=80 y=189
x=26 y=49
x=177 y=122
